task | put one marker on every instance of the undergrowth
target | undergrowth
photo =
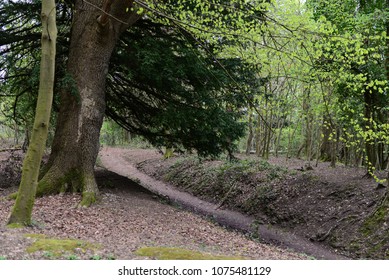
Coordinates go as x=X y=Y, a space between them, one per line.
x=242 y=184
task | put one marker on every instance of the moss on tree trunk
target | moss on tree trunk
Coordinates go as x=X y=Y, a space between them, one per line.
x=22 y=210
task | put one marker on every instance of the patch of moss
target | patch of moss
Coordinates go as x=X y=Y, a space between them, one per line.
x=171 y=253
x=58 y=246
x=88 y=198
x=15 y=225
x=12 y=196
x=377 y=250
x=169 y=152
x=354 y=246
x=376 y=220
x=69 y=181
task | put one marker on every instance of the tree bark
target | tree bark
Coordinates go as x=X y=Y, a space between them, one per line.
x=370 y=148
x=387 y=64
x=22 y=210
x=326 y=146
x=250 y=137
x=95 y=32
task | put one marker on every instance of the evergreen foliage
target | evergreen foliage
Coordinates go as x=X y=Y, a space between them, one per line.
x=162 y=84
x=169 y=91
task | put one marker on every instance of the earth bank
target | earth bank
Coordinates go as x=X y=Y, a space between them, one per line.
x=336 y=207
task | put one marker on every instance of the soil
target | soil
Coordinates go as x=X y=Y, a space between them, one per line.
x=127 y=217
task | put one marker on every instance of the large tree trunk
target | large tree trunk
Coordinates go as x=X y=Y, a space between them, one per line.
x=76 y=141
x=22 y=210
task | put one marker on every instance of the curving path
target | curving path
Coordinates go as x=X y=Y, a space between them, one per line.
x=118 y=160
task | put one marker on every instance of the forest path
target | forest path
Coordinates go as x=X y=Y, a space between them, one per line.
x=123 y=162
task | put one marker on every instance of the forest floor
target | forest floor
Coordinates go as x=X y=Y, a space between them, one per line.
x=129 y=222
x=320 y=213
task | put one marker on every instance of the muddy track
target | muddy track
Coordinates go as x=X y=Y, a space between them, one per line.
x=116 y=160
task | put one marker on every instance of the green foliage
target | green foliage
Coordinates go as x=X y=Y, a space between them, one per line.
x=48 y=255
x=215 y=20
x=183 y=99
x=244 y=168
x=355 y=45
x=112 y=134
x=20 y=34
x=72 y=257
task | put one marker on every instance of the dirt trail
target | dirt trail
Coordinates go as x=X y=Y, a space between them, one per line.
x=119 y=161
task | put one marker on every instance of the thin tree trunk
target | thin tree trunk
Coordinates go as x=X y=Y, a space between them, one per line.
x=371 y=155
x=269 y=133
x=250 y=137
x=265 y=131
x=22 y=210
x=277 y=141
x=326 y=148
x=258 y=142
x=27 y=137
x=290 y=139
x=387 y=60
x=333 y=154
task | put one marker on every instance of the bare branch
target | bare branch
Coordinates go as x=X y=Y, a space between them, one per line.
x=104 y=12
